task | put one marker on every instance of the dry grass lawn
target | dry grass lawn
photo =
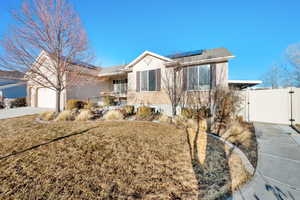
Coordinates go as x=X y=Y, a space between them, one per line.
x=106 y=160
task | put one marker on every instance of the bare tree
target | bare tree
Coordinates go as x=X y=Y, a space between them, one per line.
x=293 y=56
x=225 y=104
x=274 y=76
x=173 y=83
x=54 y=28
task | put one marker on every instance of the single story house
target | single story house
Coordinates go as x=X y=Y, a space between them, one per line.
x=141 y=82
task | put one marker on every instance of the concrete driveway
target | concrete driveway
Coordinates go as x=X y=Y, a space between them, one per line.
x=277 y=176
x=18 y=112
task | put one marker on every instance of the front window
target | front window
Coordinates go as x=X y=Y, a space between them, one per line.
x=198 y=77
x=144 y=80
x=148 y=80
x=120 y=86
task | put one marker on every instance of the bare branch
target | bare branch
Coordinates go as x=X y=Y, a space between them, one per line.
x=51 y=29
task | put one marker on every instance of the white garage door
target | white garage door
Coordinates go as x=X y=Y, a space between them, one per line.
x=46 y=98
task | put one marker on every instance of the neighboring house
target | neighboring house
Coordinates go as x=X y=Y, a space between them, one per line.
x=12 y=85
x=87 y=86
x=141 y=81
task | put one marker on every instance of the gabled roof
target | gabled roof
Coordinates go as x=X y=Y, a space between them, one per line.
x=14 y=75
x=204 y=54
x=73 y=62
x=146 y=53
x=200 y=57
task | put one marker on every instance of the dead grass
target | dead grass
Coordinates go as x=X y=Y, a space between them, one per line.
x=242 y=134
x=165 y=119
x=106 y=160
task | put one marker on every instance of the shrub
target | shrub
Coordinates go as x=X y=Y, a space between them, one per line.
x=145 y=112
x=129 y=110
x=179 y=121
x=240 y=119
x=66 y=115
x=89 y=105
x=192 y=113
x=47 y=116
x=227 y=104
x=187 y=113
x=18 y=102
x=84 y=115
x=113 y=115
x=75 y=103
x=165 y=118
x=109 y=101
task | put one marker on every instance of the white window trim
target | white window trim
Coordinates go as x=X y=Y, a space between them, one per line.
x=188 y=78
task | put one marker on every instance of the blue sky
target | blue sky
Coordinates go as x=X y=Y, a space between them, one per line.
x=256 y=32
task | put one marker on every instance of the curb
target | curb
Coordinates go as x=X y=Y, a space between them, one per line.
x=247 y=164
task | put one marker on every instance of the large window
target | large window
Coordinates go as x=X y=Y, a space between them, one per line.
x=144 y=80
x=120 y=86
x=149 y=80
x=198 y=77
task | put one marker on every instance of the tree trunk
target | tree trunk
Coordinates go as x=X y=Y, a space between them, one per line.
x=175 y=94
x=173 y=110
x=57 y=108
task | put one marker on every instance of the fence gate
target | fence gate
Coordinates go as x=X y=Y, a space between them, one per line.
x=272 y=105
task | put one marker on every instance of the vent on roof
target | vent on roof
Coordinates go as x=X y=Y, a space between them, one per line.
x=186 y=54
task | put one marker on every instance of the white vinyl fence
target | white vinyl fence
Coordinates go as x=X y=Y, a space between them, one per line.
x=272 y=105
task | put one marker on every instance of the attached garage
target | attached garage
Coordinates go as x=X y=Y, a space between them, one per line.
x=46 y=98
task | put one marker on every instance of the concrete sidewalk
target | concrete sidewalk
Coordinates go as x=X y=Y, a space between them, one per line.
x=277 y=175
x=18 y=112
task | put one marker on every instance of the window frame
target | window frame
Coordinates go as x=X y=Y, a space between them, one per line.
x=198 y=86
x=148 y=80
x=122 y=83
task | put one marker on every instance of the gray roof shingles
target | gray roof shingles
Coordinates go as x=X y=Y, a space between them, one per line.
x=203 y=54
x=112 y=69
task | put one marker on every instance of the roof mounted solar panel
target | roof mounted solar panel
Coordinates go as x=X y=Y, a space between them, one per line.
x=186 y=54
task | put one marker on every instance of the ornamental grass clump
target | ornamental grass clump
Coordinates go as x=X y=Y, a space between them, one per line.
x=113 y=115
x=84 y=115
x=65 y=115
x=47 y=116
x=145 y=112
x=129 y=110
x=75 y=104
x=89 y=105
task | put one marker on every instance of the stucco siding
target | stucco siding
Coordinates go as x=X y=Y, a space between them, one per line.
x=221 y=74
x=219 y=77
x=146 y=97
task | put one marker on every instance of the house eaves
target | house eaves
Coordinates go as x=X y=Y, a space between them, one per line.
x=12 y=85
x=140 y=57
x=112 y=71
x=242 y=84
x=198 y=62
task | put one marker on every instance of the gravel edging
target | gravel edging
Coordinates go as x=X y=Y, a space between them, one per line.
x=247 y=164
